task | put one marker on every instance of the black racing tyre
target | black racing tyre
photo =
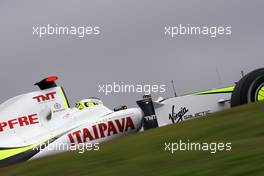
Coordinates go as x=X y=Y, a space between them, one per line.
x=249 y=89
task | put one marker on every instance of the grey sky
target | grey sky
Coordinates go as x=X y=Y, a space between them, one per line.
x=131 y=48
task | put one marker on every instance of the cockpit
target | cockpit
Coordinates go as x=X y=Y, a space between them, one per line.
x=86 y=103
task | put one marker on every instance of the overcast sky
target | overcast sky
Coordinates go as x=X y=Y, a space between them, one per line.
x=131 y=46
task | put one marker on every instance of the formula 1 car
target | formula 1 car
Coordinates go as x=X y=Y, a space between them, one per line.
x=33 y=125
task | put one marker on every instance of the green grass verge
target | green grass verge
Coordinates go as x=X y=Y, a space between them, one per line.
x=143 y=153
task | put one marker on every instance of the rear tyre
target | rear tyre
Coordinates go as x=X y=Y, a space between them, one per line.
x=249 y=89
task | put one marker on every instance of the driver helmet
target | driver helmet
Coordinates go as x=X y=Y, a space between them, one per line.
x=85 y=103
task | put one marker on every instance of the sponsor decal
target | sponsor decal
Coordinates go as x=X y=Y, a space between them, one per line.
x=101 y=130
x=198 y=114
x=177 y=117
x=58 y=108
x=182 y=114
x=151 y=117
x=19 y=122
x=47 y=97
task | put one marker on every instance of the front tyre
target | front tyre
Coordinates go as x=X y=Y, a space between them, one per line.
x=249 y=89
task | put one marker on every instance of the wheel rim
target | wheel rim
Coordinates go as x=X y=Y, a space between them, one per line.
x=260 y=93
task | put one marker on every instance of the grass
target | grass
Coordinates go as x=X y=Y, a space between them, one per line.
x=143 y=153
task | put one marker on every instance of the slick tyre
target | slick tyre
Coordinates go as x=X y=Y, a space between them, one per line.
x=249 y=89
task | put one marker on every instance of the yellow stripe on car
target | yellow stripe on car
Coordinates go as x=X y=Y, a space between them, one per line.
x=65 y=102
x=6 y=153
x=222 y=90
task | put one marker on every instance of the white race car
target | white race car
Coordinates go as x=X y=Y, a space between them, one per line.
x=33 y=125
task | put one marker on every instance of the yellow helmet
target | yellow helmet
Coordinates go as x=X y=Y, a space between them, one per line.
x=88 y=103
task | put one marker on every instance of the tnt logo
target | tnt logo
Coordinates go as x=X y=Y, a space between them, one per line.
x=46 y=97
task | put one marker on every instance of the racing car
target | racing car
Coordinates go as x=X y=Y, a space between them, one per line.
x=32 y=125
